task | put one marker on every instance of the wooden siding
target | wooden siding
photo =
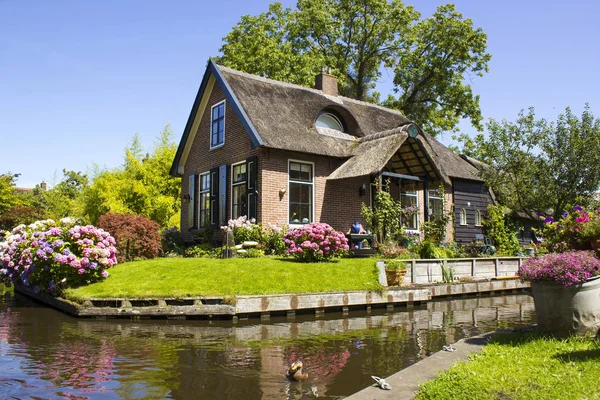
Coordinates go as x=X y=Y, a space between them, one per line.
x=472 y=196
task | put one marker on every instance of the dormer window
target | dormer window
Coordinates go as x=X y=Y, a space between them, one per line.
x=331 y=121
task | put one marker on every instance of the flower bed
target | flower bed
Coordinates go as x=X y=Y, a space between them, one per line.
x=47 y=255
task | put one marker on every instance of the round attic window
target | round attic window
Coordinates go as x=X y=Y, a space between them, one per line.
x=328 y=120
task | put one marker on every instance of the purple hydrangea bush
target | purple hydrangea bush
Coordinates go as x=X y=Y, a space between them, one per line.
x=315 y=242
x=47 y=256
x=570 y=268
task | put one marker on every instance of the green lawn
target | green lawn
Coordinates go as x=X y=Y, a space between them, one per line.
x=523 y=366
x=180 y=277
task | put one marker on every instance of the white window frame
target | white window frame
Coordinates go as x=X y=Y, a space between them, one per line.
x=237 y=184
x=429 y=197
x=198 y=201
x=416 y=195
x=463 y=217
x=334 y=118
x=223 y=102
x=478 y=218
x=298 y=225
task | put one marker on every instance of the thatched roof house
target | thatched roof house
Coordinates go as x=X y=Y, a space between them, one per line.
x=288 y=154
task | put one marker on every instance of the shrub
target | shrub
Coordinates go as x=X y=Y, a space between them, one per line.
x=573 y=230
x=172 y=241
x=315 y=242
x=392 y=250
x=272 y=239
x=137 y=237
x=243 y=229
x=201 y=250
x=17 y=215
x=251 y=253
x=46 y=255
x=569 y=269
x=498 y=229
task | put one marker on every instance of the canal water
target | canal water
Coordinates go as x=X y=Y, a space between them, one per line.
x=46 y=354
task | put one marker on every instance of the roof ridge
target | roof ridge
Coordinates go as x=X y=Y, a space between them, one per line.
x=313 y=90
x=382 y=134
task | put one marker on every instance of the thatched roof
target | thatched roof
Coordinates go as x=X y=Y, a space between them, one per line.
x=282 y=116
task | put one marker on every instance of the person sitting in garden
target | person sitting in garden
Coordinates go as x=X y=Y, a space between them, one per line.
x=357 y=228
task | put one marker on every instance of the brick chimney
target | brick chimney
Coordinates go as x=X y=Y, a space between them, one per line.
x=43 y=186
x=326 y=82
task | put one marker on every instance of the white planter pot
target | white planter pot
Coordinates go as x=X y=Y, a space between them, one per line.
x=568 y=310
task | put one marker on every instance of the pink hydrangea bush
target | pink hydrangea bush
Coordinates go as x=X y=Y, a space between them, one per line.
x=47 y=255
x=315 y=242
x=569 y=268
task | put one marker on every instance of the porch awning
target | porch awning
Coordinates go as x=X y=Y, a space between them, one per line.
x=370 y=157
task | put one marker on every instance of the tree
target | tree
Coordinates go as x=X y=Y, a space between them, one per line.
x=356 y=38
x=142 y=186
x=8 y=191
x=536 y=166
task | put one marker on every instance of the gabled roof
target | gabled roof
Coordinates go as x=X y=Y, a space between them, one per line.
x=282 y=116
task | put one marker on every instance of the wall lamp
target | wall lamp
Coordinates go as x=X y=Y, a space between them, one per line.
x=186 y=197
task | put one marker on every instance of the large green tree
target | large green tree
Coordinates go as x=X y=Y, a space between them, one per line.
x=8 y=191
x=431 y=57
x=142 y=186
x=539 y=166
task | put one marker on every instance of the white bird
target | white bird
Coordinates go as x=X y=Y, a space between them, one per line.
x=449 y=347
x=381 y=383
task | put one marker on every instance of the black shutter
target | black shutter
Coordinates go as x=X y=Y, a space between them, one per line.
x=195 y=200
x=214 y=197
x=252 y=185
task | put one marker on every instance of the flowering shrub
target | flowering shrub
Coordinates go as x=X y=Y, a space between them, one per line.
x=269 y=236
x=569 y=269
x=243 y=229
x=315 y=242
x=573 y=230
x=45 y=254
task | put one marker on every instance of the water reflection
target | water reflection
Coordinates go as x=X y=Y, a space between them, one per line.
x=47 y=354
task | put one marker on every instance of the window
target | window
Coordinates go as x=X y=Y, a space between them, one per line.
x=300 y=193
x=477 y=217
x=239 y=192
x=328 y=120
x=204 y=200
x=217 y=125
x=409 y=200
x=192 y=199
x=214 y=196
x=463 y=216
x=435 y=205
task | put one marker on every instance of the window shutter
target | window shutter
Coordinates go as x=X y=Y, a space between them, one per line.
x=214 y=197
x=252 y=185
x=222 y=193
x=192 y=198
x=195 y=200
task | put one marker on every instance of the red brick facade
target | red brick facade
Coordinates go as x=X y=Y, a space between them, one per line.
x=335 y=202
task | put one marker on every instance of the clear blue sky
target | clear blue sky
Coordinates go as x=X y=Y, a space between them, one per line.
x=79 y=78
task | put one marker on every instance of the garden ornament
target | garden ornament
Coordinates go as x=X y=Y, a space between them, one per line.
x=382 y=383
x=449 y=347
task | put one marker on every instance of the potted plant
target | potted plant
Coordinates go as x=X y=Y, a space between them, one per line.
x=565 y=287
x=395 y=270
x=591 y=230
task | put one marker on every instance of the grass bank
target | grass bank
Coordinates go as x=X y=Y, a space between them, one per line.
x=181 y=277
x=523 y=366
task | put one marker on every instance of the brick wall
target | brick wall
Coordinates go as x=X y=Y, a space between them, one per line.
x=336 y=202
x=201 y=159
